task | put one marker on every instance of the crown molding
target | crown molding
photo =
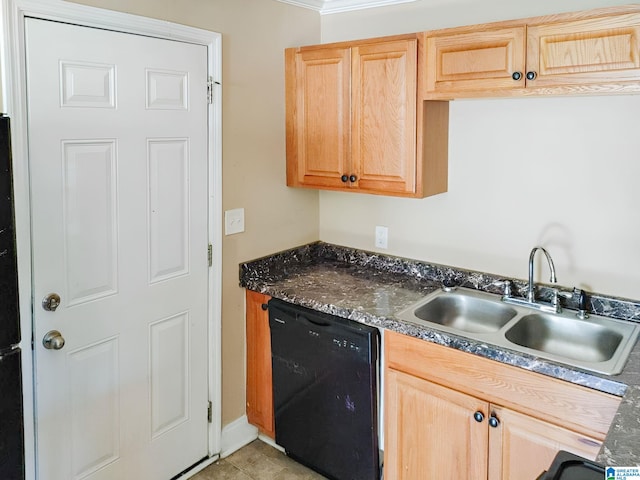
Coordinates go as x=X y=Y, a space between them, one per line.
x=336 y=6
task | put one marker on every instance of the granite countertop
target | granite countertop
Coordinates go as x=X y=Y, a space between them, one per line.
x=372 y=288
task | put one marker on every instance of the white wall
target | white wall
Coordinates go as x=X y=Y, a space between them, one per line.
x=560 y=172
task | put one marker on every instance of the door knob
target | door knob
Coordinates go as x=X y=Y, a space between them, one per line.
x=53 y=340
x=51 y=302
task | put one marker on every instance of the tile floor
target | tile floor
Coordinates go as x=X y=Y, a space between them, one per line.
x=257 y=461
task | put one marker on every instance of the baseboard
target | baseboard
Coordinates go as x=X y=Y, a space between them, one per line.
x=270 y=441
x=236 y=435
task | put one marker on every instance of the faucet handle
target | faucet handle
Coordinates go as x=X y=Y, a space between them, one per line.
x=583 y=301
x=561 y=294
x=507 y=284
x=556 y=299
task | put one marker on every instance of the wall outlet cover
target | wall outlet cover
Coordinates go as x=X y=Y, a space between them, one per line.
x=382 y=237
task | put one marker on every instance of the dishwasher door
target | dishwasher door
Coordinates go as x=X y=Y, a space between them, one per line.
x=325 y=379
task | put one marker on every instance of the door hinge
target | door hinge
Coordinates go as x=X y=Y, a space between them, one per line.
x=210 y=254
x=210 y=90
x=210 y=412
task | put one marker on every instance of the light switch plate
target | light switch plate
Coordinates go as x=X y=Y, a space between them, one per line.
x=234 y=221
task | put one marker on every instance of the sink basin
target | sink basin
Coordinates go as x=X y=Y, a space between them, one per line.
x=581 y=340
x=465 y=312
x=597 y=344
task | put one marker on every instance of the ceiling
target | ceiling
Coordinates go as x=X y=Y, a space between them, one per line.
x=336 y=6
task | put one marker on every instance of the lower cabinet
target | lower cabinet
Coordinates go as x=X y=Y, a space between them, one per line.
x=521 y=446
x=259 y=376
x=430 y=431
x=450 y=414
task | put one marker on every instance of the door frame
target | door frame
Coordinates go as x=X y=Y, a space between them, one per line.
x=13 y=77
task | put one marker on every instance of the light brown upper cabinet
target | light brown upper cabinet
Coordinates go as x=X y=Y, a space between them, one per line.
x=592 y=52
x=355 y=121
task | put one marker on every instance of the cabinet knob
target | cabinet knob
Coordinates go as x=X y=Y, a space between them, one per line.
x=344 y=178
x=493 y=421
x=516 y=76
x=478 y=416
x=531 y=75
x=264 y=306
x=353 y=178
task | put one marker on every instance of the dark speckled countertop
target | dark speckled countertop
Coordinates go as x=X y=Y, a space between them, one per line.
x=372 y=288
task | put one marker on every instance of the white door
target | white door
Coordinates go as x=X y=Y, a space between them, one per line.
x=118 y=165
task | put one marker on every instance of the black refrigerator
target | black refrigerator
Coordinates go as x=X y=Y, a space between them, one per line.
x=11 y=417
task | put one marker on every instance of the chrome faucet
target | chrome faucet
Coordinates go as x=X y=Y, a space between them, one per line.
x=553 y=306
x=531 y=295
x=530 y=300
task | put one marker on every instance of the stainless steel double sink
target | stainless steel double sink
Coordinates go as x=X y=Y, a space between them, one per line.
x=597 y=344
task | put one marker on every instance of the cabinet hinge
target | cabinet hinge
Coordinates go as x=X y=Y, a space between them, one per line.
x=210 y=90
x=210 y=254
x=210 y=412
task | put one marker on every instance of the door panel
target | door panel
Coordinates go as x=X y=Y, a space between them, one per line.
x=168 y=210
x=94 y=385
x=90 y=219
x=87 y=84
x=169 y=373
x=167 y=90
x=118 y=161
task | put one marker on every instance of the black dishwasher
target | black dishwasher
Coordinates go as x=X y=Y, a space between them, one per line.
x=325 y=384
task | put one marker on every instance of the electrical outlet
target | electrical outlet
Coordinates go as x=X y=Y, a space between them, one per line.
x=234 y=221
x=382 y=237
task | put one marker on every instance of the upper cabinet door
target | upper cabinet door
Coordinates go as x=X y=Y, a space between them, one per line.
x=318 y=116
x=476 y=60
x=598 y=50
x=384 y=116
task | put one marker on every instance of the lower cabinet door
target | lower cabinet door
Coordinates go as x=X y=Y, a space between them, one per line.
x=523 y=447
x=259 y=377
x=432 y=431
